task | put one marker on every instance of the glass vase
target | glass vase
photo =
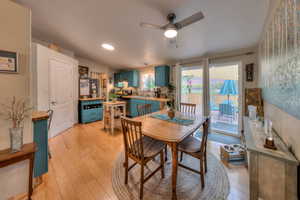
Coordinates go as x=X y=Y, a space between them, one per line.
x=16 y=139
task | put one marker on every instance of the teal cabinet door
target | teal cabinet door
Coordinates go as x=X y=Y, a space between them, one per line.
x=116 y=79
x=162 y=76
x=40 y=137
x=133 y=78
x=155 y=106
x=133 y=106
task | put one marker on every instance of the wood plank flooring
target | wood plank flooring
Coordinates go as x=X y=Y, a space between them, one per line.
x=82 y=161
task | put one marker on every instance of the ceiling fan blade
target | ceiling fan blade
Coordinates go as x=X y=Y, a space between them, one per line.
x=190 y=20
x=147 y=25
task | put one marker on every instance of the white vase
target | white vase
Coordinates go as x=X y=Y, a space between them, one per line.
x=16 y=139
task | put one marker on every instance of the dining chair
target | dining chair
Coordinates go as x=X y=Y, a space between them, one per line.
x=188 y=108
x=197 y=149
x=141 y=149
x=143 y=109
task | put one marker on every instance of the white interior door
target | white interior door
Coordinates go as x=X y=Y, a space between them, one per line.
x=61 y=96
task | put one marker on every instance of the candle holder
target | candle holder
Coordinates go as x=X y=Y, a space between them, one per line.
x=270 y=144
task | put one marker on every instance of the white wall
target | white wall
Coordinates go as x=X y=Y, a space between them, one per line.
x=94 y=66
x=15 y=35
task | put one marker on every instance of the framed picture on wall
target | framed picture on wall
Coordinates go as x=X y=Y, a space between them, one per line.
x=8 y=62
x=83 y=71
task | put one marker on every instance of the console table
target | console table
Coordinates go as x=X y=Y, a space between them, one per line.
x=27 y=152
x=272 y=173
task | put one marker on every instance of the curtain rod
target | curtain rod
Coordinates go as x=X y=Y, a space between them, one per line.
x=214 y=58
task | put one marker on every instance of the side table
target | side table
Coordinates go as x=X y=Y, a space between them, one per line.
x=27 y=152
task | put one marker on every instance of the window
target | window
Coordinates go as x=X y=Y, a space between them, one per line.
x=147 y=80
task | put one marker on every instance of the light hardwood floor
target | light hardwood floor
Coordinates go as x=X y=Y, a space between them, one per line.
x=82 y=162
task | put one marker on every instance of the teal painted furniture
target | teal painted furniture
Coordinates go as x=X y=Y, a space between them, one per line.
x=132 y=77
x=40 y=137
x=155 y=106
x=162 y=76
x=90 y=111
x=116 y=79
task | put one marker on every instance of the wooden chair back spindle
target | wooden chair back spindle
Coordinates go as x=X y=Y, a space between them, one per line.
x=188 y=108
x=143 y=109
x=204 y=136
x=132 y=132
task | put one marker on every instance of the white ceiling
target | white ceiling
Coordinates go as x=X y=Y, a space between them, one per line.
x=83 y=26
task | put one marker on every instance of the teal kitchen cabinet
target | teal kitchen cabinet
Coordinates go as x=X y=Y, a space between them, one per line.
x=116 y=79
x=132 y=77
x=90 y=111
x=40 y=137
x=155 y=105
x=133 y=103
x=162 y=76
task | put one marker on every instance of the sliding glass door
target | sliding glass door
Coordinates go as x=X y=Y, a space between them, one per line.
x=224 y=98
x=192 y=86
x=215 y=89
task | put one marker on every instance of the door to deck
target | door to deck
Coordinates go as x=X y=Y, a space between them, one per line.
x=216 y=91
x=224 y=98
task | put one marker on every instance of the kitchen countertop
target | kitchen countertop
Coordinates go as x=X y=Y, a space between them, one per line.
x=39 y=115
x=114 y=103
x=147 y=98
x=91 y=99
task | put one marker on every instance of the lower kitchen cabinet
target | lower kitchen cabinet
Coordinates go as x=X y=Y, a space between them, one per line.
x=133 y=103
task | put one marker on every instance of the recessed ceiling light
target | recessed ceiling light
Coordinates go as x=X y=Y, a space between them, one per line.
x=108 y=47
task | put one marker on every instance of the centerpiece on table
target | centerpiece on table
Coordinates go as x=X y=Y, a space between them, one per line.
x=16 y=111
x=171 y=103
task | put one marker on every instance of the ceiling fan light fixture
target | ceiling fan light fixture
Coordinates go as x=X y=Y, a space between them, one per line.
x=171 y=33
x=108 y=46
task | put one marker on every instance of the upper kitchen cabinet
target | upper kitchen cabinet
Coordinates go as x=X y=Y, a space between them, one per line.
x=132 y=77
x=162 y=76
x=116 y=79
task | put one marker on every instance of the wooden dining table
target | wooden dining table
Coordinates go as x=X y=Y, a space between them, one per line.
x=172 y=134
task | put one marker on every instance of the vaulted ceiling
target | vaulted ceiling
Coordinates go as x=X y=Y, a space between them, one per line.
x=82 y=26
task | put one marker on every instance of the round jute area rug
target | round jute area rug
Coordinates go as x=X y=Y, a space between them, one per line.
x=217 y=185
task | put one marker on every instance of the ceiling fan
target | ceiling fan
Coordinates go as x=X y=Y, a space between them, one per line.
x=171 y=29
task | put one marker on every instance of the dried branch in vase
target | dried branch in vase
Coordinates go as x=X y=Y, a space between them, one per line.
x=16 y=111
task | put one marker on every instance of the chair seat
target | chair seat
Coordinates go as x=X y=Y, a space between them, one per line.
x=152 y=146
x=190 y=145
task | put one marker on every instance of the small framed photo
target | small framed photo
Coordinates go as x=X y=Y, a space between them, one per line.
x=8 y=62
x=83 y=71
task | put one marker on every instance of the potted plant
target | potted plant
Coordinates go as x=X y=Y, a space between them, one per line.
x=16 y=111
x=171 y=102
